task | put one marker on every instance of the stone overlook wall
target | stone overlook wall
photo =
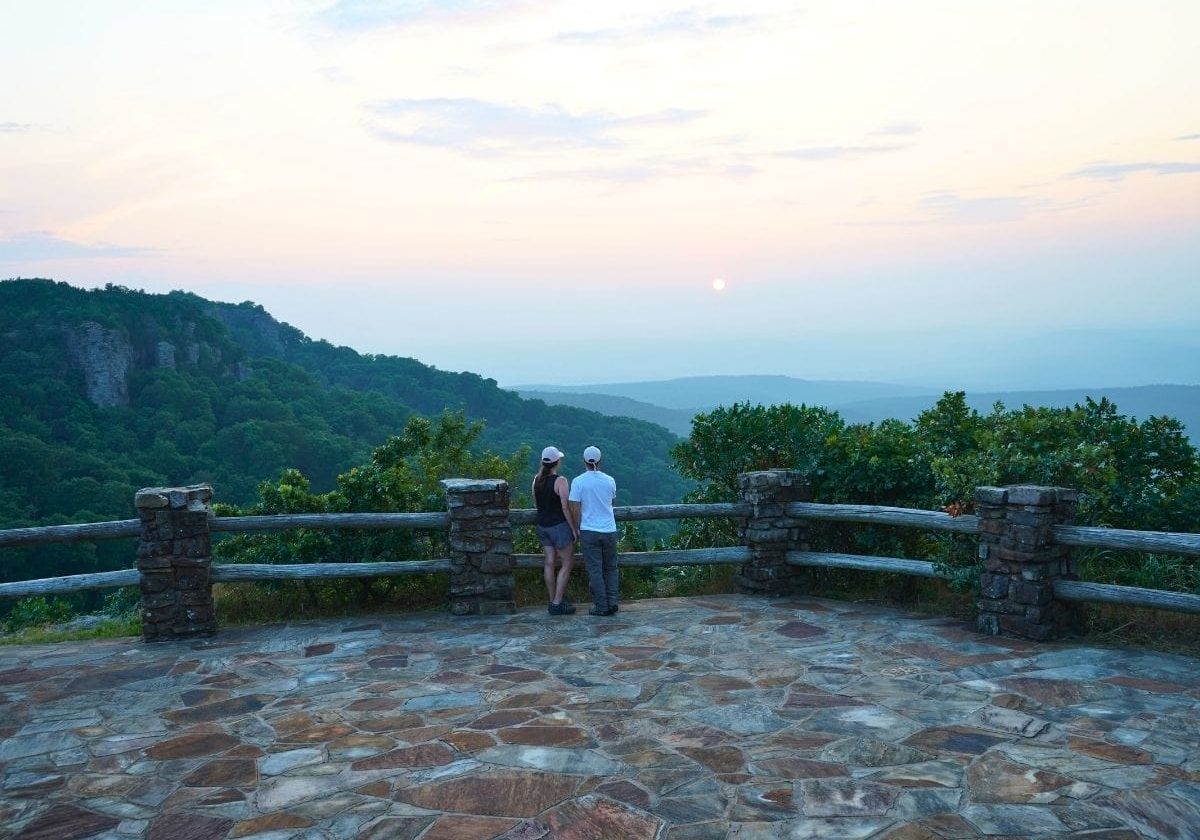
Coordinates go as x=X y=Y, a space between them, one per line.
x=1021 y=559
x=174 y=561
x=769 y=532
x=481 y=547
x=1020 y=556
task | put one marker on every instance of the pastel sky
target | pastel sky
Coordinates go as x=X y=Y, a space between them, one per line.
x=545 y=191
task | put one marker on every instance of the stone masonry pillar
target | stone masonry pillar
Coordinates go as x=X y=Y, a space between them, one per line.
x=481 y=547
x=173 y=560
x=769 y=532
x=1021 y=560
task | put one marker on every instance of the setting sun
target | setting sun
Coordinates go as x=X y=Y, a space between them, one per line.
x=718 y=285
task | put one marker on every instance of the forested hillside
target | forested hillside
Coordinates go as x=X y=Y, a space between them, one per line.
x=106 y=391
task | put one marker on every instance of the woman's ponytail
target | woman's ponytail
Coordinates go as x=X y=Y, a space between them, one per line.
x=540 y=478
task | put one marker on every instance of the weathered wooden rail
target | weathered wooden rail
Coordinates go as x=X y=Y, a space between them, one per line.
x=126 y=528
x=70 y=583
x=358 y=521
x=1129 y=596
x=1005 y=579
x=90 y=532
x=244 y=572
x=927 y=520
x=866 y=563
x=1150 y=541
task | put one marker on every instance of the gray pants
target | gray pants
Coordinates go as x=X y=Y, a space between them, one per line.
x=600 y=559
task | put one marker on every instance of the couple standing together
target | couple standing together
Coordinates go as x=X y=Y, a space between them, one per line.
x=578 y=510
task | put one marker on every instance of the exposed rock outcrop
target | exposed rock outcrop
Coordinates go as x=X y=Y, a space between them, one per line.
x=104 y=355
x=165 y=351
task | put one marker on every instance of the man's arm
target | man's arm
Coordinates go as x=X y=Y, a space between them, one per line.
x=576 y=517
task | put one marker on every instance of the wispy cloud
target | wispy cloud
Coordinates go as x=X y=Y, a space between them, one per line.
x=15 y=127
x=641 y=171
x=953 y=208
x=479 y=126
x=38 y=245
x=358 y=15
x=839 y=152
x=897 y=129
x=630 y=174
x=334 y=74
x=1117 y=171
x=1189 y=137
x=667 y=116
x=686 y=22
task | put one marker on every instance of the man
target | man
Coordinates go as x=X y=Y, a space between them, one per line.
x=591 y=504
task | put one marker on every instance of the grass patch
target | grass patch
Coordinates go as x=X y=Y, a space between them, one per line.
x=250 y=603
x=281 y=601
x=110 y=628
x=1119 y=626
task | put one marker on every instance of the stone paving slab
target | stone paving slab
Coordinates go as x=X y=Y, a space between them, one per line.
x=677 y=719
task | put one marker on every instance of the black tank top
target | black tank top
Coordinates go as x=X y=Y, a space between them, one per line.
x=549 y=506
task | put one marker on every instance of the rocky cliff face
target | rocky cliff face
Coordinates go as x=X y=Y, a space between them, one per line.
x=108 y=356
x=104 y=356
x=165 y=354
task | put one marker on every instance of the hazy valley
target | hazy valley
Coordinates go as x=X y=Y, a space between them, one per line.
x=673 y=403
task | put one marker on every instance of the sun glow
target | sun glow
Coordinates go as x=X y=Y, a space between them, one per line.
x=718 y=285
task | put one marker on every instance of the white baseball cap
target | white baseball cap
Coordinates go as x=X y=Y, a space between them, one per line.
x=551 y=454
x=591 y=455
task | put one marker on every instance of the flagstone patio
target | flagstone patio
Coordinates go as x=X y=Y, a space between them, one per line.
x=678 y=719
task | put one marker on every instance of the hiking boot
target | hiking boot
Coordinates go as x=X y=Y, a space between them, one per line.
x=613 y=610
x=598 y=612
x=563 y=608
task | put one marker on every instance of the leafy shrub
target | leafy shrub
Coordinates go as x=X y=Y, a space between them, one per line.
x=1140 y=475
x=36 y=612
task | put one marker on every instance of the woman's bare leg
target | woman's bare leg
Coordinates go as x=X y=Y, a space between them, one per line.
x=566 y=556
x=548 y=571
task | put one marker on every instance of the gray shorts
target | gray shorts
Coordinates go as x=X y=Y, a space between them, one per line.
x=556 y=536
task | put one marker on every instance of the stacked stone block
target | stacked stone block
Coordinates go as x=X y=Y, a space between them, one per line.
x=481 y=547
x=174 y=561
x=769 y=532
x=1021 y=560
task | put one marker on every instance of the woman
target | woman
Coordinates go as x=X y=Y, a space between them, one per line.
x=554 y=529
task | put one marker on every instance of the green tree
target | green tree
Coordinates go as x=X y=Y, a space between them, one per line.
x=402 y=475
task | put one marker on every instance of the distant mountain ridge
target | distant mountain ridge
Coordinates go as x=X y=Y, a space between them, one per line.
x=697 y=393
x=678 y=421
x=672 y=403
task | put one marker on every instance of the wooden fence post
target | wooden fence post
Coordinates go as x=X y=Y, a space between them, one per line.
x=481 y=547
x=174 y=561
x=1021 y=560
x=769 y=532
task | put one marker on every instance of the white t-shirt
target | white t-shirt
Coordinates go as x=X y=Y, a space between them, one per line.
x=595 y=491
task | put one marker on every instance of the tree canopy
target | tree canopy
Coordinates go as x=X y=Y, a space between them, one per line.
x=401 y=475
x=1134 y=474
